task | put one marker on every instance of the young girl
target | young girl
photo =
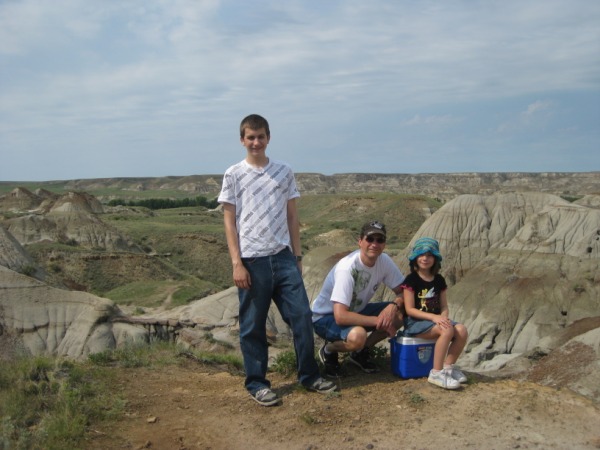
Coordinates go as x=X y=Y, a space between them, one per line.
x=427 y=313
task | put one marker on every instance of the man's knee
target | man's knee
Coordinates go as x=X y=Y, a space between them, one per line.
x=356 y=339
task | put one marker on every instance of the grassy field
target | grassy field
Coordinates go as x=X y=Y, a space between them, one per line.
x=183 y=253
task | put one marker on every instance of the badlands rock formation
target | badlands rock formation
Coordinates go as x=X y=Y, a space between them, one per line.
x=37 y=319
x=445 y=186
x=12 y=254
x=68 y=218
x=523 y=270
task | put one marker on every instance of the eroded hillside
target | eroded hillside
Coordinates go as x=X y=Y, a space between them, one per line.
x=523 y=269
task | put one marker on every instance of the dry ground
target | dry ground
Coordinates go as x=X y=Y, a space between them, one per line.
x=197 y=407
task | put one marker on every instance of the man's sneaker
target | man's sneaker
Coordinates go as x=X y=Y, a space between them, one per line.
x=322 y=386
x=362 y=359
x=330 y=362
x=265 y=397
x=456 y=373
x=442 y=379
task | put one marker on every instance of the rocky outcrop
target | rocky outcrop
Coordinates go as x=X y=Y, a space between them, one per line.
x=19 y=199
x=12 y=254
x=71 y=218
x=523 y=268
x=591 y=201
x=49 y=321
x=36 y=319
x=471 y=226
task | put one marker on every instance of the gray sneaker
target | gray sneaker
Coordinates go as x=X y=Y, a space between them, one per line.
x=322 y=386
x=442 y=379
x=265 y=397
x=455 y=372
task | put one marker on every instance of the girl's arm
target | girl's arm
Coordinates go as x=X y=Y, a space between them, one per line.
x=444 y=304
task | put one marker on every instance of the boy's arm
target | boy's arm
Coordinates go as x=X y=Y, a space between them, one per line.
x=294 y=227
x=241 y=277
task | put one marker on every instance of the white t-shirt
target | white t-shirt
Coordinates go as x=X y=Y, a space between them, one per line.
x=260 y=197
x=353 y=284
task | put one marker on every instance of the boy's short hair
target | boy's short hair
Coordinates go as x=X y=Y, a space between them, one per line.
x=254 y=122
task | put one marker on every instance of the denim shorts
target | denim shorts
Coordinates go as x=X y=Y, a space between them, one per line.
x=327 y=329
x=415 y=327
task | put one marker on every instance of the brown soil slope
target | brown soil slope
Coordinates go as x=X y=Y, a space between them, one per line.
x=195 y=407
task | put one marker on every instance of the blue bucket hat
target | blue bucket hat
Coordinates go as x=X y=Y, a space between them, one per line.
x=424 y=245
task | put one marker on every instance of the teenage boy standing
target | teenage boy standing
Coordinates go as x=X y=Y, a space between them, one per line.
x=263 y=236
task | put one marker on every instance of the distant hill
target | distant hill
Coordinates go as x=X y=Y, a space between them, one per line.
x=443 y=186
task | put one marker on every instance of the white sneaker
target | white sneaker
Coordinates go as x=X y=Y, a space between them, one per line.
x=442 y=379
x=454 y=371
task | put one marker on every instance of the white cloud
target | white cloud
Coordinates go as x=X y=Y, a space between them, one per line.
x=537 y=108
x=158 y=66
x=417 y=120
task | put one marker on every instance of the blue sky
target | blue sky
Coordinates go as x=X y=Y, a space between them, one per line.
x=134 y=88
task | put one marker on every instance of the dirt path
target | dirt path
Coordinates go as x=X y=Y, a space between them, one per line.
x=195 y=407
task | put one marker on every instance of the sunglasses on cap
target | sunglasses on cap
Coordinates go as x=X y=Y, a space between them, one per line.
x=371 y=239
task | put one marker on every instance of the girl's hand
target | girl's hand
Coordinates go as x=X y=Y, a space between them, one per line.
x=442 y=322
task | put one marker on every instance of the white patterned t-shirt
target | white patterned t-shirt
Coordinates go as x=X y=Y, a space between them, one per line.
x=260 y=197
x=354 y=284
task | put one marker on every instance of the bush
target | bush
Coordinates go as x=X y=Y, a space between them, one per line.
x=285 y=363
x=28 y=269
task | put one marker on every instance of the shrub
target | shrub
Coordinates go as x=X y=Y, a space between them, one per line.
x=285 y=363
x=28 y=269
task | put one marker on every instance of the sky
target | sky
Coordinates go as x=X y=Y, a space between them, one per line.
x=150 y=88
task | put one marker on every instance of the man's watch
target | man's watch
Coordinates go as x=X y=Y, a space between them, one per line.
x=298 y=258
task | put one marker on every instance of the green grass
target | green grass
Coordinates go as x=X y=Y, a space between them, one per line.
x=402 y=214
x=285 y=363
x=163 y=353
x=141 y=293
x=47 y=403
x=50 y=403
x=153 y=293
x=185 y=251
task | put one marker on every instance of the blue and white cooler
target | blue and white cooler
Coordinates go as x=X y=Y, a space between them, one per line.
x=411 y=357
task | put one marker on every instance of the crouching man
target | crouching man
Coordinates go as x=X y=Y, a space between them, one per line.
x=342 y=314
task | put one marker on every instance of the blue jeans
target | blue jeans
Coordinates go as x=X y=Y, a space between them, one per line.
x=275 y=277
x=328 y=329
